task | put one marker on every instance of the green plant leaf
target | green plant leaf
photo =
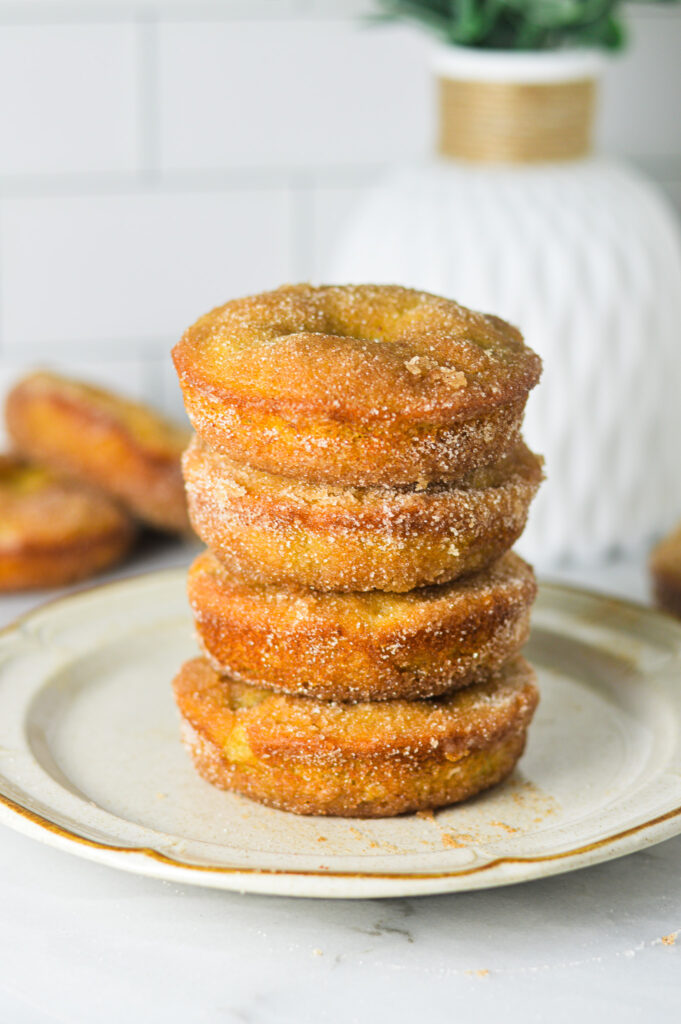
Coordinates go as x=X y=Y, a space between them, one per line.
x=517 y=24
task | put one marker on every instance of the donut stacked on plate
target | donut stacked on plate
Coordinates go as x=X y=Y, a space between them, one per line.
x=359 y=477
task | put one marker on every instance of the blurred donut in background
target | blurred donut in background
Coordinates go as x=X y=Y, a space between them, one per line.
x=55 y=531
x=123 y=448
x=665 y=571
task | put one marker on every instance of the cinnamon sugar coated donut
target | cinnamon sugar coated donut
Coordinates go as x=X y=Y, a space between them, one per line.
x=362 y=646
x=273 y=529
x=360 y=385
x=91 y=435
x=55 y=531
x=362 y=760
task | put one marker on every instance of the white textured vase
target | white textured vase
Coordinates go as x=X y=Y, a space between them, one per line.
x=585 y=257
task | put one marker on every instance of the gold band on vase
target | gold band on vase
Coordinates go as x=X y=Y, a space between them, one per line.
x=508 y=122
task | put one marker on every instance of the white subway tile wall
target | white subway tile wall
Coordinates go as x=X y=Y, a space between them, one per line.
x=303 y=94
x=158 y=157
x=94 y=274
x=70 y=101
x=641 y=95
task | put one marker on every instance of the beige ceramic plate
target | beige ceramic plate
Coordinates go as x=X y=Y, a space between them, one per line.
x=90 y=759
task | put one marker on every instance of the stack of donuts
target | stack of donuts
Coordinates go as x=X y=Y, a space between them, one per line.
x=359 y=477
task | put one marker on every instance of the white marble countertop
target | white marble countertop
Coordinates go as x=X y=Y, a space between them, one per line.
x=84 y=943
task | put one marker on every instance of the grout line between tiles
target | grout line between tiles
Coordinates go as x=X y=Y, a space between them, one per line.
x=99 y=350
x=152 y=377
x=148 y=140
x=301 y=227
x=165 y=182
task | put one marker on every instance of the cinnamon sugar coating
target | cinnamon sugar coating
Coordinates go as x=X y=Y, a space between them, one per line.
x=362 y=646
x=55 y=531
x=361 y=760
x=272 y=529
x=91 y=435
x=361 y=385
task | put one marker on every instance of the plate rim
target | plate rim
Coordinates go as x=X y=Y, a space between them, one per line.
x=16 y=815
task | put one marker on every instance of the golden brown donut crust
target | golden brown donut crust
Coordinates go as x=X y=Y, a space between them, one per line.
x=361 y=385
x=362 y=646
x=55 y=531
x=271 y=529
x=665 y=571
x=93 y=436
x=359 y=760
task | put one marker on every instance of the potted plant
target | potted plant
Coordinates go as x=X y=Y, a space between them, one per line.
x=516 y=216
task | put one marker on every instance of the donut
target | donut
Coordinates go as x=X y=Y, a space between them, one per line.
x=665 y=570
x=360 y=385
x=271 y=529
x=365 y=760
x=55 y=531
x=362 y=646
x=93 y=436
